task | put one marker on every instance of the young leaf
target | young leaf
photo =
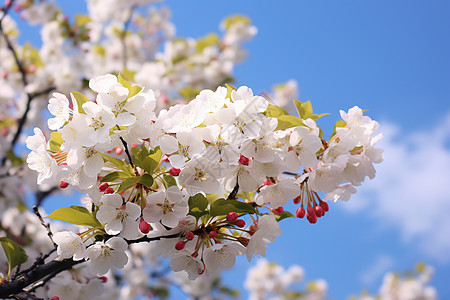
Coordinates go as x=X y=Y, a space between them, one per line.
x=112 y=176
x=275 y=111
x=15 y=254
x=119 y=163
x=152 y=161
x=56 y=141
x=230 y=89
x=127 y=183
x=146 y=180
x=78 y=99
x=197 y=205
x=221 y=207
x=304 y=110
x=284 y=215
x=169 y=180
x=77 y=215
x=287 y=121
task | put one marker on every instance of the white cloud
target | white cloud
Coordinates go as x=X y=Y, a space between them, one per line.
x=412 y=188
x=380 y=266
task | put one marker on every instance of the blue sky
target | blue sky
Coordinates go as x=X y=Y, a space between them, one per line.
x=390 y=57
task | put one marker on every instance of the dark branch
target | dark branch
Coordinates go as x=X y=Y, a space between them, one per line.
x=45 y=272
x=234 y=192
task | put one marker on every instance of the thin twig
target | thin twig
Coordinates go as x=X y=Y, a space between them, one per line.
x=46 y=225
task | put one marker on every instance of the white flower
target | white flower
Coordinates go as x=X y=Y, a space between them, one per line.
x=278 y=194
x=303 y=149
x=119 y=218
x=185 y=262
x=40 y=160
x=105 y=255
x=101 y=119
x=59 y=107
x=221 y=256
x=200 y=175
x=70 y=245
x=267 y=230
x=168 y=207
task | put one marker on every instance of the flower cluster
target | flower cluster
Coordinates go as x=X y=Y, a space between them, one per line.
x=191 y=175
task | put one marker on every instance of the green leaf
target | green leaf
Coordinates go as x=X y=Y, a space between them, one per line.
x=284 y=215
x=82 y=20
x=119 y=163
x=288 y=121
x=146 y=180
x=189 y=93
x=209 y=40
x=74 y=214
x=152 y=161
x=197 y=205
x=221 y=207
x=132 y=90
x=56 y=141
x=339 y=123
x=275 y=111
x=304 y=110
x=127 y=183
x=15 y=254
x=230 y=89
x=229 y=21
x=169 y=180
x=78 y=99
x=111 y=176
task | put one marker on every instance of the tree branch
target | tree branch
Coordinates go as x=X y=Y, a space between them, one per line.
x=43 y=271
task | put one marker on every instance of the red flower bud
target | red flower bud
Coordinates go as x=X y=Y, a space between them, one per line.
x=296 y=200
x=103 y=278
x=180 y=245
x=300 y=213
x=144 y=227
x=278 y=210
x=103 y=186
x=324 y=205
x=232 y=217
x=63 y=184
x=213 y=234
x=190 y=236
x=319 y=211
x=108 y=191
x=244 y=160
x=240 y=223
x=174 y=171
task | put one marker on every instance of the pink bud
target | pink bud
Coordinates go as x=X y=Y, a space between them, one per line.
x=63 y=184
x=232 y=217
x=119 y=150
x=180 y=245
x=311 y=218
x=144 y=227
x=240 y=223
x=174 y=171
x=134 y=145
x=319 y=211
x=32 y=68
x=103 y=186
x=190 y=236
x=267 y=181
x=108 y=191
x=278 y=210
x=296 y=200
x=310 y=210
x=325 y=206
x=213 y=234
x=54 y=298
x=244 y=160
x=300 y=213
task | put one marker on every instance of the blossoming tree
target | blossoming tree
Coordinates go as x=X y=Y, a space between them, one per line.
x=172 y=160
